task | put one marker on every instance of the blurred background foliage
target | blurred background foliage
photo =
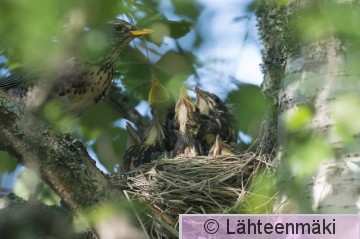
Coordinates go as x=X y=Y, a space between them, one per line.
x=321 y=27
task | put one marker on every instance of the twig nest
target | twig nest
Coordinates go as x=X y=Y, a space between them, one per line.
x=189 y=185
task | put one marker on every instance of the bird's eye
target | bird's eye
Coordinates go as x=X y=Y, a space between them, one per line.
x=119 y=28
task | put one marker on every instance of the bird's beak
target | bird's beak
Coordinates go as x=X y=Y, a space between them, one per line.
x=217 y=146
x=158 y=92
x=135 y=139
x=201 y=101
x=140 y=32
x=183 y=93
x=199 y=92
x=184 y=96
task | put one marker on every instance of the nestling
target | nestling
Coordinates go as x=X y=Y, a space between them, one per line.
x=160 y=137
x=187 y=118
x=220 y=121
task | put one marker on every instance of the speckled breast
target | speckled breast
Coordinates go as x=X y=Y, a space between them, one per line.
x=77 y=95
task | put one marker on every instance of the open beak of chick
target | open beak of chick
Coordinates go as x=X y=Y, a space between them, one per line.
x=201 y=101
x=158 y=92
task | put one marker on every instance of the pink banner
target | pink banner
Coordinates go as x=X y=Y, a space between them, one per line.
x=269 y=226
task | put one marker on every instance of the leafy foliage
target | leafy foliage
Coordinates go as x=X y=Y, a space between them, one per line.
x=248 y=105
x=261 y=194
x=7 y=163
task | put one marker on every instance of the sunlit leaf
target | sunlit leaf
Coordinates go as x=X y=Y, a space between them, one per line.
x=174 y=85
x=304 y=158
x=260 y=195
x=28 y=184
x=298 y=117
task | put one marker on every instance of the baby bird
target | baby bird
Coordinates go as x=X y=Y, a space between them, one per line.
x=150 y=147
x=163 y=105
x=221 y=148
x=187 y=118
x=220 y=122
x=158 y=138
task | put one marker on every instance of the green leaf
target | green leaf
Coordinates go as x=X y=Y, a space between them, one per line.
x=174 y=84
x=248 y=106
x=298 y=117
x=260 y=196
x=29 y=184
x=135 y=73
x=305 y=157
x=97 y=119
x=174 y=63
x=8 y=164
x=187 y=8
x=110 y=140
x=110 y=147
x=179 y=29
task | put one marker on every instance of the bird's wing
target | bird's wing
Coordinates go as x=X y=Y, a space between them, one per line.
x=71 y=68
x=12 y=80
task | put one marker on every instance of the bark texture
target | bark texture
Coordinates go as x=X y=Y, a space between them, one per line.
x=59 y=159
x=321 y=75
x=272 y=23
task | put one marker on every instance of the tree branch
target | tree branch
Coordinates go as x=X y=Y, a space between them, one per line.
x=59 y=159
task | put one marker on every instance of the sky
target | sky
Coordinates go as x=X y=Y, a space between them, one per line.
x=233 y=41
x=231 y=50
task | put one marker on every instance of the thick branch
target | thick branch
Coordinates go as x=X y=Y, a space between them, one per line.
x=59 y=159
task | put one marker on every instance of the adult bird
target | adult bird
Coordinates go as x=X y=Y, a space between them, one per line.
x=187 y=118
x=218 y=117
x=159 y=138
x=77 y=83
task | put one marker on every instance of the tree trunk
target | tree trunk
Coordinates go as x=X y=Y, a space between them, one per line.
x=311 y=76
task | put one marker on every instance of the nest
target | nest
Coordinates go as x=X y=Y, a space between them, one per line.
x=191 y=185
